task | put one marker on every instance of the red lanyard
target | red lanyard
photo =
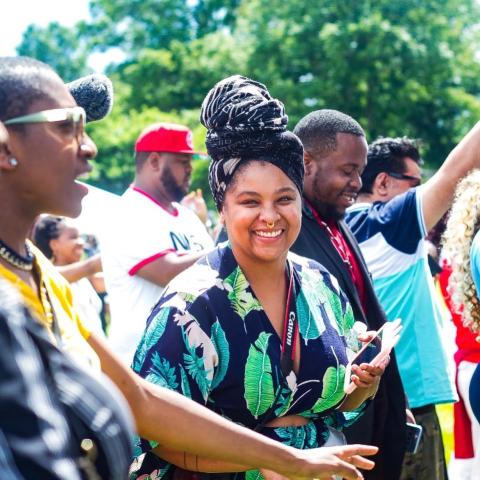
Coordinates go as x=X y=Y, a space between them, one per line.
x=289 y=341
x=337 y=243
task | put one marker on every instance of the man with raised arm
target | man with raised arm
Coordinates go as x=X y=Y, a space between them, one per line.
x=390 y=221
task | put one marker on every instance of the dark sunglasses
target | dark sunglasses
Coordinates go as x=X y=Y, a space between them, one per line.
x=416 y=181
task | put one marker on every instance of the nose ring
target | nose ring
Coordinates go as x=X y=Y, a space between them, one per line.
x=270 y=225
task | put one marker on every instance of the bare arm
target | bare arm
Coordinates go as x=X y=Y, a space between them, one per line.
x=170 y=418
x=197 y=463
x=437 y=193
x=165 y=268
x=98 y=282
x=84 y=268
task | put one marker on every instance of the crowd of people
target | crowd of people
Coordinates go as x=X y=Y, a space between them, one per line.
x=227 y=355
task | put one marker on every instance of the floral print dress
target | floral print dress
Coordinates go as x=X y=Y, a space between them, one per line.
x=209 y=338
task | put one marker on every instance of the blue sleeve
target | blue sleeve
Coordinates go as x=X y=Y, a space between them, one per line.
x=475 y=261
x=399 y=221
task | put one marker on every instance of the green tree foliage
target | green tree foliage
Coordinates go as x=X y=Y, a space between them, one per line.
x=407 y=67
x=200 y=180
x=400 y=68
x=58 y=46
x=115 y=137
x=180 y=77
x=213 y=15
x=138 y=24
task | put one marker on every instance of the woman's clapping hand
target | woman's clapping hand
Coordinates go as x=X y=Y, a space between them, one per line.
x=323 y=463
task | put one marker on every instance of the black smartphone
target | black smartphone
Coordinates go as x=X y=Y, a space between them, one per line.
x=414 y=435
x=366 y=354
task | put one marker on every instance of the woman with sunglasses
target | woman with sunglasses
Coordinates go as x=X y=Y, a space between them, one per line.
x=45 y=151
x=257 y=334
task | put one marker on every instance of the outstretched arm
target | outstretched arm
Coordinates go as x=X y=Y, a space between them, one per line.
x=438 y=192
x=167 y=267
x=170 y=419
x=84 y=268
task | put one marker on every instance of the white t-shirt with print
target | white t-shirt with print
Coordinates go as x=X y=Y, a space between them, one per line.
x=141 y=232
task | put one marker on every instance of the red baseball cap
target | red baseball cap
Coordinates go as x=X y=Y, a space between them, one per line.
x=165 y=137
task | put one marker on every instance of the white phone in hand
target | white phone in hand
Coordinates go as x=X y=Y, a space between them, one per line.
x=385 y=338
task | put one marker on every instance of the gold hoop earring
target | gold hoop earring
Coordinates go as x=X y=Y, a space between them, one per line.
x=270 y=225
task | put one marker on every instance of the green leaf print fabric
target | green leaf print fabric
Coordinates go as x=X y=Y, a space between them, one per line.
x=162 y=373
x=242 y=301
x=332 y=393
x=209 y=339
x=151 y=336
x=259 y=393
x=220 y=343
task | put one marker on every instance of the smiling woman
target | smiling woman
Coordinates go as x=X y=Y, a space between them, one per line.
x=251 y=330
x=262 y=219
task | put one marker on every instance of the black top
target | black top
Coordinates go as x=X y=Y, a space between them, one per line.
x=383 y=424
x=48 y=405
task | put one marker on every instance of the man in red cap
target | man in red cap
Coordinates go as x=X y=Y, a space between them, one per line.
x=153 y=238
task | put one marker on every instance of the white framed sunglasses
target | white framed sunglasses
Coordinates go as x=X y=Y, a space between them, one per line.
x=74 y=115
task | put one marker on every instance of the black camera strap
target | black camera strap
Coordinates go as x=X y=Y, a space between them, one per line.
x=290 y=325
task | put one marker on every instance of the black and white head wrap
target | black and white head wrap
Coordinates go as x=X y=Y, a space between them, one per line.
x=245 y=123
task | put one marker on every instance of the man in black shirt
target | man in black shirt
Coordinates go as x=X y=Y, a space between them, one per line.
x=335 y=156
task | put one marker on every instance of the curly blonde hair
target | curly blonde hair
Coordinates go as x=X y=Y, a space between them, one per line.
x=462 y=225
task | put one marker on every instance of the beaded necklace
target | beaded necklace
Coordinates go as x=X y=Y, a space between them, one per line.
x=15 y=259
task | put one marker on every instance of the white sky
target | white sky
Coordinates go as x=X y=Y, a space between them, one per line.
x=16 y=15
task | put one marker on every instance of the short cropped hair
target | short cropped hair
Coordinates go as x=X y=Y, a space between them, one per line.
x=388 y=155
x=47 y=228
x=318 y=130
x=22 y=82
